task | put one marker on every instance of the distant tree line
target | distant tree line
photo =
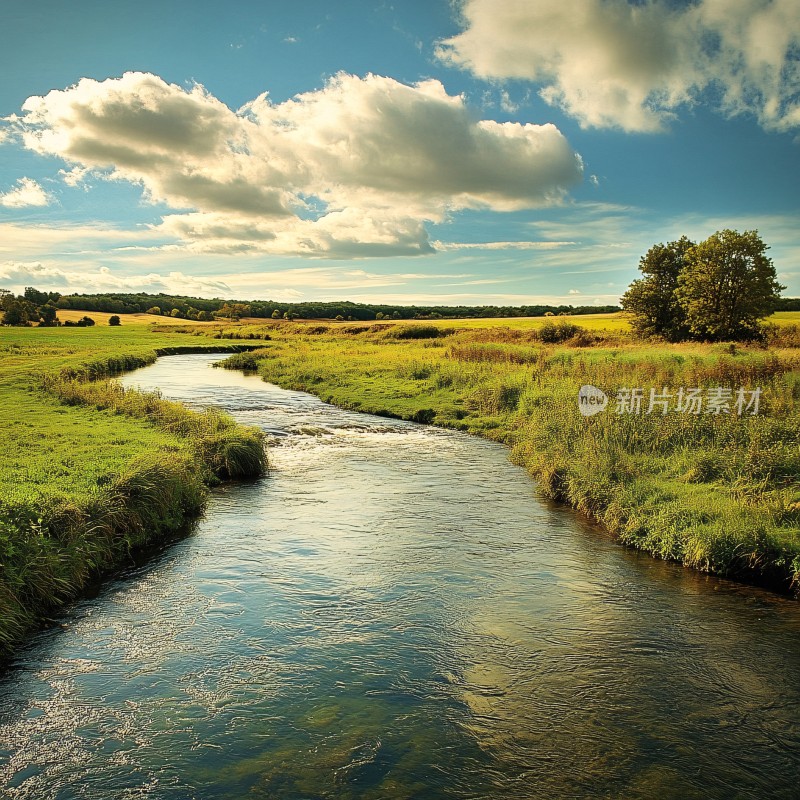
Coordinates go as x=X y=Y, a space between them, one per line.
x=197 y=308
x=30 y=307
x=716 y=290
x=33 y=307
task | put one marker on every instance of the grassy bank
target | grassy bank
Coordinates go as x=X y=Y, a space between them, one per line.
x=89 y=472
x=717 y=492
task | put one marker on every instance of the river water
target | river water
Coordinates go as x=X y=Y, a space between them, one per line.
x=393 y=613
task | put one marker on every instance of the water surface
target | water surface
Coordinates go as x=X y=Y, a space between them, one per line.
x=392 y=613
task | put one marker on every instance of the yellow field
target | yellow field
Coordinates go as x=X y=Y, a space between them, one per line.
x=785 y=318
x=593 y=322
x=101 y=318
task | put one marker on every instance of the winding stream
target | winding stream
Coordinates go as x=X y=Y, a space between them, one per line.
x=392 y=613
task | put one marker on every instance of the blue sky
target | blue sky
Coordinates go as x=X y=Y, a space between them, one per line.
x=488 y=151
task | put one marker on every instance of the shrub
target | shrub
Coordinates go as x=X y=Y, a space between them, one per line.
x=418 y=332
x=557 y=332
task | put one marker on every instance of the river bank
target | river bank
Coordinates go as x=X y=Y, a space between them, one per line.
x=91 y=473
x=717 y=492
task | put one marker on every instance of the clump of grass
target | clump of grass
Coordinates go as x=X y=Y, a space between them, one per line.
x=235 y=452
x=234 y=333
x=787 y=335
x=244 y=362
x=707 y=467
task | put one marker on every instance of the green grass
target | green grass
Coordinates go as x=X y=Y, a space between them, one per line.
x=717 y=493
x=89 y=471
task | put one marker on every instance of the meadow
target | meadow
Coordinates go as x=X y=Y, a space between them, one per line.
x=718 y=492
x=90 y=473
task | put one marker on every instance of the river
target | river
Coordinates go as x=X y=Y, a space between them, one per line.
x=393 y=613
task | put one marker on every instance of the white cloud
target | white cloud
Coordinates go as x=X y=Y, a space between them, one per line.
x=507 y=104
x=614 y=63
x=102 y=279
x=349 y=233
x=73 y=177
x=40 y=241
x=546 y=245
x=26 y=193
x=356 y=168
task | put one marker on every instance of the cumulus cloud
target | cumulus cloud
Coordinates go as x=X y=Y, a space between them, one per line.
x=355 y=168
x=103 y=279
x=26 y=193
x=615 y=63
x=350 y=232
x=185 y=147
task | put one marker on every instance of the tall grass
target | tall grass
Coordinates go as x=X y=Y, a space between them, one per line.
x=49 y=554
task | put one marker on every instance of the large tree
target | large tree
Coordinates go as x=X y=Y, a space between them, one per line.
x=727 y=286
x=651 y=300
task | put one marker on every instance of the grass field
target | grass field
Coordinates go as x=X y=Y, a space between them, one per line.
x=87 y=473
x=617 y=322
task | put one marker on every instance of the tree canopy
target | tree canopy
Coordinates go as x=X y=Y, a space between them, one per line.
x=716 y=290
x=652 y=299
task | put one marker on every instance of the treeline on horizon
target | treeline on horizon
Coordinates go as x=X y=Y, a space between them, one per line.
x=117 y=303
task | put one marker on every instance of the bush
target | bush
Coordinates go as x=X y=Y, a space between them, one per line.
x=557 y=332
x=83 y=322
x=114 y=320
x=418 y=332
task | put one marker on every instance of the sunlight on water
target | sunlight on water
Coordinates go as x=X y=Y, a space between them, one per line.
x=392 y=613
